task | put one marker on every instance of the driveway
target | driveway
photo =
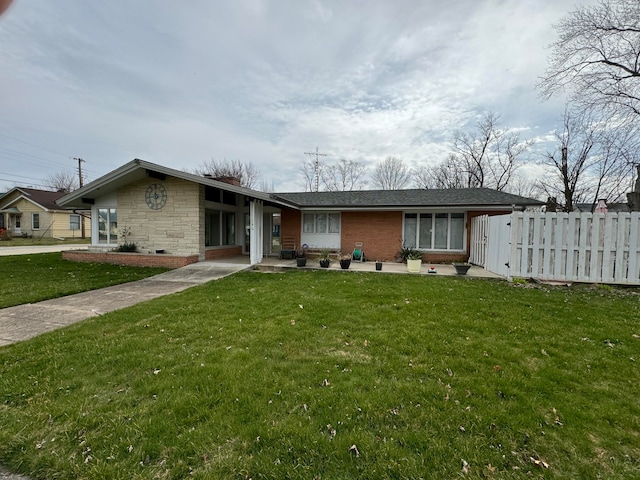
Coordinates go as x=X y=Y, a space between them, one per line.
x=26 y=321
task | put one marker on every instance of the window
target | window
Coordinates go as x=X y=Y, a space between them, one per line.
x=107 y=226
x=35 y=221
x=219 y=228
x=74 y=222
x=434 y=231
x=321 y=223
x=18 y=218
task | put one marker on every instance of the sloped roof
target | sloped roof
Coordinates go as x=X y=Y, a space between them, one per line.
x=614 y=207
x=138 y=169
x=45 y=198
x=462 y=197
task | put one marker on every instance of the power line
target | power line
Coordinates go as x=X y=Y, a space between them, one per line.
x=34 y=145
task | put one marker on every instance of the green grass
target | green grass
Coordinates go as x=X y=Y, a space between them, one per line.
x=35 y=241
x=33 y=278
x=333 y=375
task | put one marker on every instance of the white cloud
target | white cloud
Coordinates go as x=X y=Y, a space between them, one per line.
x=179 y=83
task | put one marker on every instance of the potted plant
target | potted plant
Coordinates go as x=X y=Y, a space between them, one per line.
x=378 y=265
x=324 y=258
x=345 y=261
x=301 y=259
x=414 y=261
x=462 y=268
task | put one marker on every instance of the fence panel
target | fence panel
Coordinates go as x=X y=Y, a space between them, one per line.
x=583 y=247
x=478 y=247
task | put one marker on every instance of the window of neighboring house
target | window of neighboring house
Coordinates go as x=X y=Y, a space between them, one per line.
x=35 y=221
x=18 y=221
x=107 y=226
x=434 y=231
x=74 y=222
x=2 y=220
x=321 y=223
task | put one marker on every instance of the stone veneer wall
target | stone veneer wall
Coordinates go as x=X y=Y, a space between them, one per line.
x=177 y=228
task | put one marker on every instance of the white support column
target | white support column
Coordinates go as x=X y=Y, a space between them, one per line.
x=256 y=231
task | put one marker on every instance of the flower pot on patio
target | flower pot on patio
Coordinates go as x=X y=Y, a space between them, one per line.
x=324 y=263
x=301 y=261
x=462 y=268
x=378 y=266
x=414 y=265
x=345 y=262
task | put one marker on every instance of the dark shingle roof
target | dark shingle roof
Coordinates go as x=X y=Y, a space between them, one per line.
x=45 y=198
x=614 y=207
x=406 y=198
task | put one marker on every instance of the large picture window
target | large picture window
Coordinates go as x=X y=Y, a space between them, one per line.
x=434 y=231
x=219 y=228
x=321 y=223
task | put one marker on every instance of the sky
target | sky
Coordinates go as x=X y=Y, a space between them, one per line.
x=264 y=81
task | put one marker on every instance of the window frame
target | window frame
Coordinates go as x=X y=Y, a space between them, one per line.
x=329 y=223
x=71 y=223
x=35 y=219
x=435 y=217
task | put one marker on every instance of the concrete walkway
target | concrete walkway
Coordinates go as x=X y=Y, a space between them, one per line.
x=24 y=250
x=26 y=321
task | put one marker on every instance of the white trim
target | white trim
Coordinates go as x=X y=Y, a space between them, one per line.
x=433 y=231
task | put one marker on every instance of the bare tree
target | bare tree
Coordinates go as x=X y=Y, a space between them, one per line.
x=525 y=187
x=245 y=172
x=597 y=57
x=346 y=175
x=63 y=180
x=311 y=173
x=592 y=160
x=391 y=174
x=486 y=157
x=266 y=186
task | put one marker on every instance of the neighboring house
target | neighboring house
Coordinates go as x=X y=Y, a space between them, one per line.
x=33 y=212
x=166 y=211
x=614 y=207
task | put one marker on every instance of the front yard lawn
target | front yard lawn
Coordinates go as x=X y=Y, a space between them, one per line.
x=333 y=375
x=33 y=278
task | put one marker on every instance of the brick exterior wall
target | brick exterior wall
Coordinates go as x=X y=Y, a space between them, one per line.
x=381 y=233
x=291 y=225
x=130 y=259
x=223 y=252
x=177 y=228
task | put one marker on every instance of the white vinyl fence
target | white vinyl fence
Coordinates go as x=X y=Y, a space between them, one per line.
x=583 y=247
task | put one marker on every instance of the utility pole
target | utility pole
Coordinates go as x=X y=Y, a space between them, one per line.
x=79 y=170
x=316 y=166
x=82 y=232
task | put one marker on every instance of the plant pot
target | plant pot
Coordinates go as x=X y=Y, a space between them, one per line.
x=378 y=266
x=414 y=266
x=344 y=264
x=461 y=268
x=324 y=263
x=301 y=261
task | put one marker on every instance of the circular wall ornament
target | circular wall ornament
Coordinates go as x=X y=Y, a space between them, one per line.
x=156 y=196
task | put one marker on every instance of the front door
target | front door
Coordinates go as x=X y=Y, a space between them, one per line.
x=14 y=220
